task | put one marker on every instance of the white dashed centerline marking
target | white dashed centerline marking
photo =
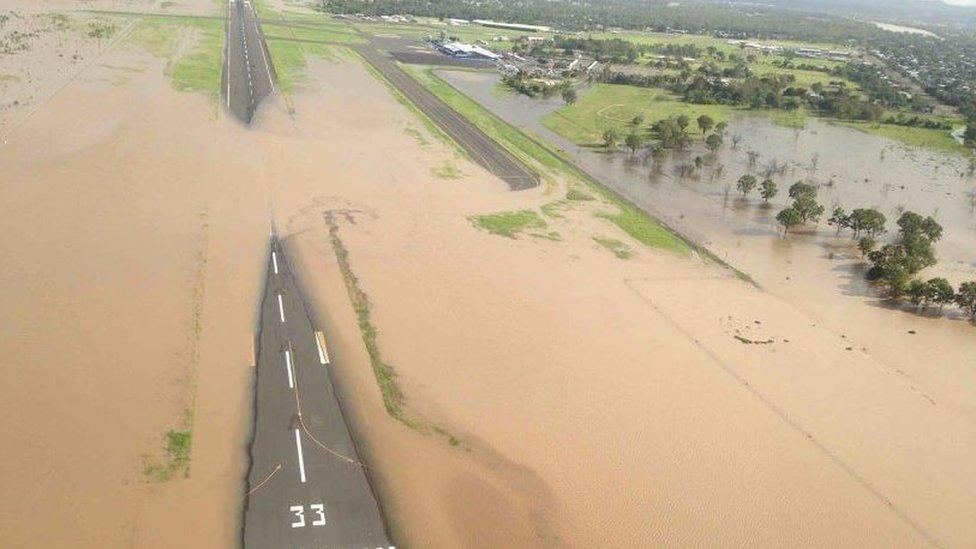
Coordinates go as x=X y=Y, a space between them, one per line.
x=281 y=309
x=291 y=376
x=301 y=460
x=274 y=260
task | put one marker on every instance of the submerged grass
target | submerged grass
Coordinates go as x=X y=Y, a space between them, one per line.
x=179 y=442
x=196 y=69
x=447 y=170
x=618 y=248
x=508 y=224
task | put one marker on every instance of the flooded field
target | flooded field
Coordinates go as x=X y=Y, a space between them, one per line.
x=815 y=271
x=852 y=169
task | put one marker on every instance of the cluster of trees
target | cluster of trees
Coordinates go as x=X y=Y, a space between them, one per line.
x=767 y=189
x=533 y=87
x=677 y=50
x=894 y=266
x=872 y=81
x=734 y=85
x=803 y=208
x=615 y=50
x=667 y=133
x=916 y=121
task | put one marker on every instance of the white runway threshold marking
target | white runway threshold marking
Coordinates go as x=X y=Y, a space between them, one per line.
x=323 y=349
x=274 y=260
x=291 y=376
x=281 y=309
x=301 y=459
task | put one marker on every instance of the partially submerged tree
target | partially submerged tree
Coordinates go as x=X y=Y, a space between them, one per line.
x=966 y=298
x=611 y=137
x=713 y=142
x=768 y=189
x=683 y=121
x=788 y=218
x=839 y=218
x=634 y=141
x=866 y=220
x=867 y=245
x=705 y=123
x=569 y=95
x=916 y=292
x=746 y=183
x=895 y=264
x=939 y=291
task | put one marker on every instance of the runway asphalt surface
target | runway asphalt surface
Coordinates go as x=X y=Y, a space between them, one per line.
x=247 y=74
x=306 y=485
x=481 y=148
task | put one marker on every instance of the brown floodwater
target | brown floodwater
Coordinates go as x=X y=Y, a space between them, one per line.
x=817 y=269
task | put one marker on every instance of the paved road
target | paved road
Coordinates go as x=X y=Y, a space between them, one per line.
x=306 y=487
x=482 y=149
x=248 y=75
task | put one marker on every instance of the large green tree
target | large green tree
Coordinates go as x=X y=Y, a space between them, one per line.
x=788 y=218
x=768 y=190
x=940 y=292
x=746 y=183
x=966 y=298
x=705 y=123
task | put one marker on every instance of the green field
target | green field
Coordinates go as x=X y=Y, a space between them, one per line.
x=702 y=41
x=602 y=106
x=198 y=68
x=290 y=48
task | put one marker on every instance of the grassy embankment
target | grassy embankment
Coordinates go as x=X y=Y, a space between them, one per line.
x=633 y=221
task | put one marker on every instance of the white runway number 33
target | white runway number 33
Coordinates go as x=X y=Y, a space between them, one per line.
x=317 y=515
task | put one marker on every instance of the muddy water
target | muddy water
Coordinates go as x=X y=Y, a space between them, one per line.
x=587 y=414
x=132 y=237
